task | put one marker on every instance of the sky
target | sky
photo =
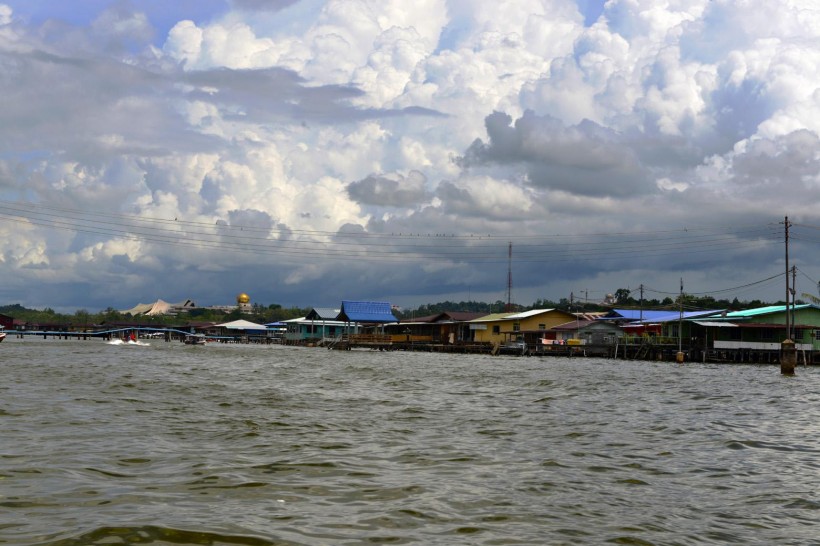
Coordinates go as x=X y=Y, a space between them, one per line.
x=307 y=152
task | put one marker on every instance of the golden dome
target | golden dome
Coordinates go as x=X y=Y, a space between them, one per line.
x=243 y=298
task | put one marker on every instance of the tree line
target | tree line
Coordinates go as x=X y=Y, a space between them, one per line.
x=622 y=297
x=82 y=317
x=262 y=314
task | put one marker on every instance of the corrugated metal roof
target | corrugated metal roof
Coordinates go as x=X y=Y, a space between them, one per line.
x=673 y=316
x=305 y=320
x=576 y=325
x=528 y=314
x=573 y=324
x=446 y=316
x=322 y=313
x=513 y=316
x=422 y=320
x=366 y=311
x=658 y=316
x=715 y=324
x=633 y=314
x=493 y=317
x=463 y=316
x=765 y=310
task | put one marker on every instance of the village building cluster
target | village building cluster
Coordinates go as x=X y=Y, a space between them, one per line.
x=752 y=335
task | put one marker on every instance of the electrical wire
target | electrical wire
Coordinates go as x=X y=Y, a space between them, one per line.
x=323 y=243
x=172 y=231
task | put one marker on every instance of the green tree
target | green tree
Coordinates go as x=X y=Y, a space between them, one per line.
x=623 y=296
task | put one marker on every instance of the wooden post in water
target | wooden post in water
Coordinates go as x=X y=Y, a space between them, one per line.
x=788 y=357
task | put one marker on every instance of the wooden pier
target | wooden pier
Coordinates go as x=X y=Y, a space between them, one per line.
x=634 y=349
x=659 y=352
x=346 y=342
x=143 y=333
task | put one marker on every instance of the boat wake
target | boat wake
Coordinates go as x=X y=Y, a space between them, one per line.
x=129 y=342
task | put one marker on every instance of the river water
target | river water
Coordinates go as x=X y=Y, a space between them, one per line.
x=269 y=445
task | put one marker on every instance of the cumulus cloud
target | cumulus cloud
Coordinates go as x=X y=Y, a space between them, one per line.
x=586 y=159
x=442 y=129
x=485 y=198
x=390 y=191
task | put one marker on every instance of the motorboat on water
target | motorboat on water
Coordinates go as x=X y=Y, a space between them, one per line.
x=2 y=333
x=129 y=342
x=129 y=339
x=195 y=339
x=514 y=347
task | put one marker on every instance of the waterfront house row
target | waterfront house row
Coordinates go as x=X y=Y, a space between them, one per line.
x=708 y=330
x=713 y=334
x=323 y=324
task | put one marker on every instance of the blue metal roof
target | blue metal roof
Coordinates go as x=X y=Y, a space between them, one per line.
x=671 y=316
x=634 y=315
x=366 y=311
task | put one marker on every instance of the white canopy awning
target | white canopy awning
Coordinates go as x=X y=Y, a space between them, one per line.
x=242 y=325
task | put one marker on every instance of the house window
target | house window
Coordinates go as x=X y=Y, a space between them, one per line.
x=516 y=326
x=496 y=329
x=542 y=326
x=766 y=334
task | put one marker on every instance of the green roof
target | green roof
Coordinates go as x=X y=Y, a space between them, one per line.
x=771 y=309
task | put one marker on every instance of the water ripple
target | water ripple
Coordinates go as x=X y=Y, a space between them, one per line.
x=149 y=534
x=273 y=445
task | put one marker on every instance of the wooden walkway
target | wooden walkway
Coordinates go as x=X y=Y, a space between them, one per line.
x=346 y=342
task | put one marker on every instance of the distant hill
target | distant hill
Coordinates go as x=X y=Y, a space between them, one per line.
x=13 y=308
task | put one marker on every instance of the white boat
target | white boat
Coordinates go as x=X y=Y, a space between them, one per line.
x=195 y=339
x=2 y=333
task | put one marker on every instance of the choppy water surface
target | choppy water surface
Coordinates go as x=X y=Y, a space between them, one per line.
x=257 y=445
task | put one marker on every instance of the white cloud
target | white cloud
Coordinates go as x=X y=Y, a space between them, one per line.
x=446 y=117
x=670 y=185
x=5 y=14
x=486 y=197
x=184 y=43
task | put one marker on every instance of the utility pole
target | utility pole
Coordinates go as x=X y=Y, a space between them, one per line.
x=794 y=297
x=509 y=278
x=577 y=324
x=680 y=324
x=788 y=351
x=788 y=290
x=641 y=321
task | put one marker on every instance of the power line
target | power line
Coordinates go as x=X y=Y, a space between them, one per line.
x=814 y=282
x=121 y=218
x=721 y=291
x=401 y=247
